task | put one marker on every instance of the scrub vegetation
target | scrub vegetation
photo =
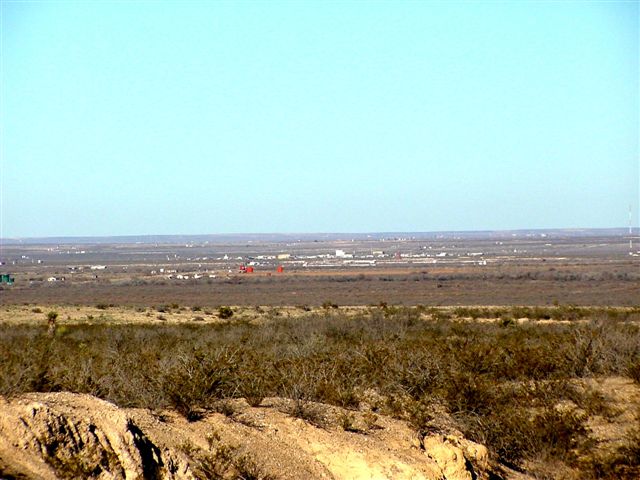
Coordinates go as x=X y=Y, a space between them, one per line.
x=520 y=388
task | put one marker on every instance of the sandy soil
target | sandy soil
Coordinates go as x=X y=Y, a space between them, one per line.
x=92 y=315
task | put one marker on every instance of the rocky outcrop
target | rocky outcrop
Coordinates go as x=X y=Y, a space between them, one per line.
x=64 y=435
x=457 y=458
x=78 y=436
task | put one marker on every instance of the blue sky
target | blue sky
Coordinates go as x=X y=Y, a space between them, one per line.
x=215 y=117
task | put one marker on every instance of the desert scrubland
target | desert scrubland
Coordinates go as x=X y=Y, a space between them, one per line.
x=515 y=369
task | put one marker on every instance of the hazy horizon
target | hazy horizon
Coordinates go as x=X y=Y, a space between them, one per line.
x=315 y=236
x=143 y=118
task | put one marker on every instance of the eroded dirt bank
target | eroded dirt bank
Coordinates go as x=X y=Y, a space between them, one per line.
x=65 y=435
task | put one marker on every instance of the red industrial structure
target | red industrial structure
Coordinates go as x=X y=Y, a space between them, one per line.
x=280 y=269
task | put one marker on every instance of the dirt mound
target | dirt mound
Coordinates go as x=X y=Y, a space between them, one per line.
x=64 y=435
x=76 y=436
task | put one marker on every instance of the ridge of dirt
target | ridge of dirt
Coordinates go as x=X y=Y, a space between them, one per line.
x=67 y=435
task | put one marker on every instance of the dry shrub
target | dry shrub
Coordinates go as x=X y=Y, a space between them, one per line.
x=633 y=371
x=221 y=462
x=501 y=385
x=514 y=434
x=194 y=380
x=622 y=464
x=307 y=411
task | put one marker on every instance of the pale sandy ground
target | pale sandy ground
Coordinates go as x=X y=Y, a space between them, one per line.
x=624 y=397
x=86 y=315
x=46 y=436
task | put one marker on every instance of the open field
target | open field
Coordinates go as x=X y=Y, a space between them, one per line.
x=350 y=288
x=528 y=269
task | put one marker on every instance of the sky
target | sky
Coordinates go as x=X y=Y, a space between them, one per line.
x=163 y=117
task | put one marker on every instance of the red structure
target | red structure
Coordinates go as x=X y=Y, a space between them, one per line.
x=249 y=270
x=280 y=269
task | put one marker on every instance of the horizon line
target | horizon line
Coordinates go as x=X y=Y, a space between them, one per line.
x=332 y=233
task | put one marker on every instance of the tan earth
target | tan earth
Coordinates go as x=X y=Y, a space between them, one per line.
x=65 y=435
